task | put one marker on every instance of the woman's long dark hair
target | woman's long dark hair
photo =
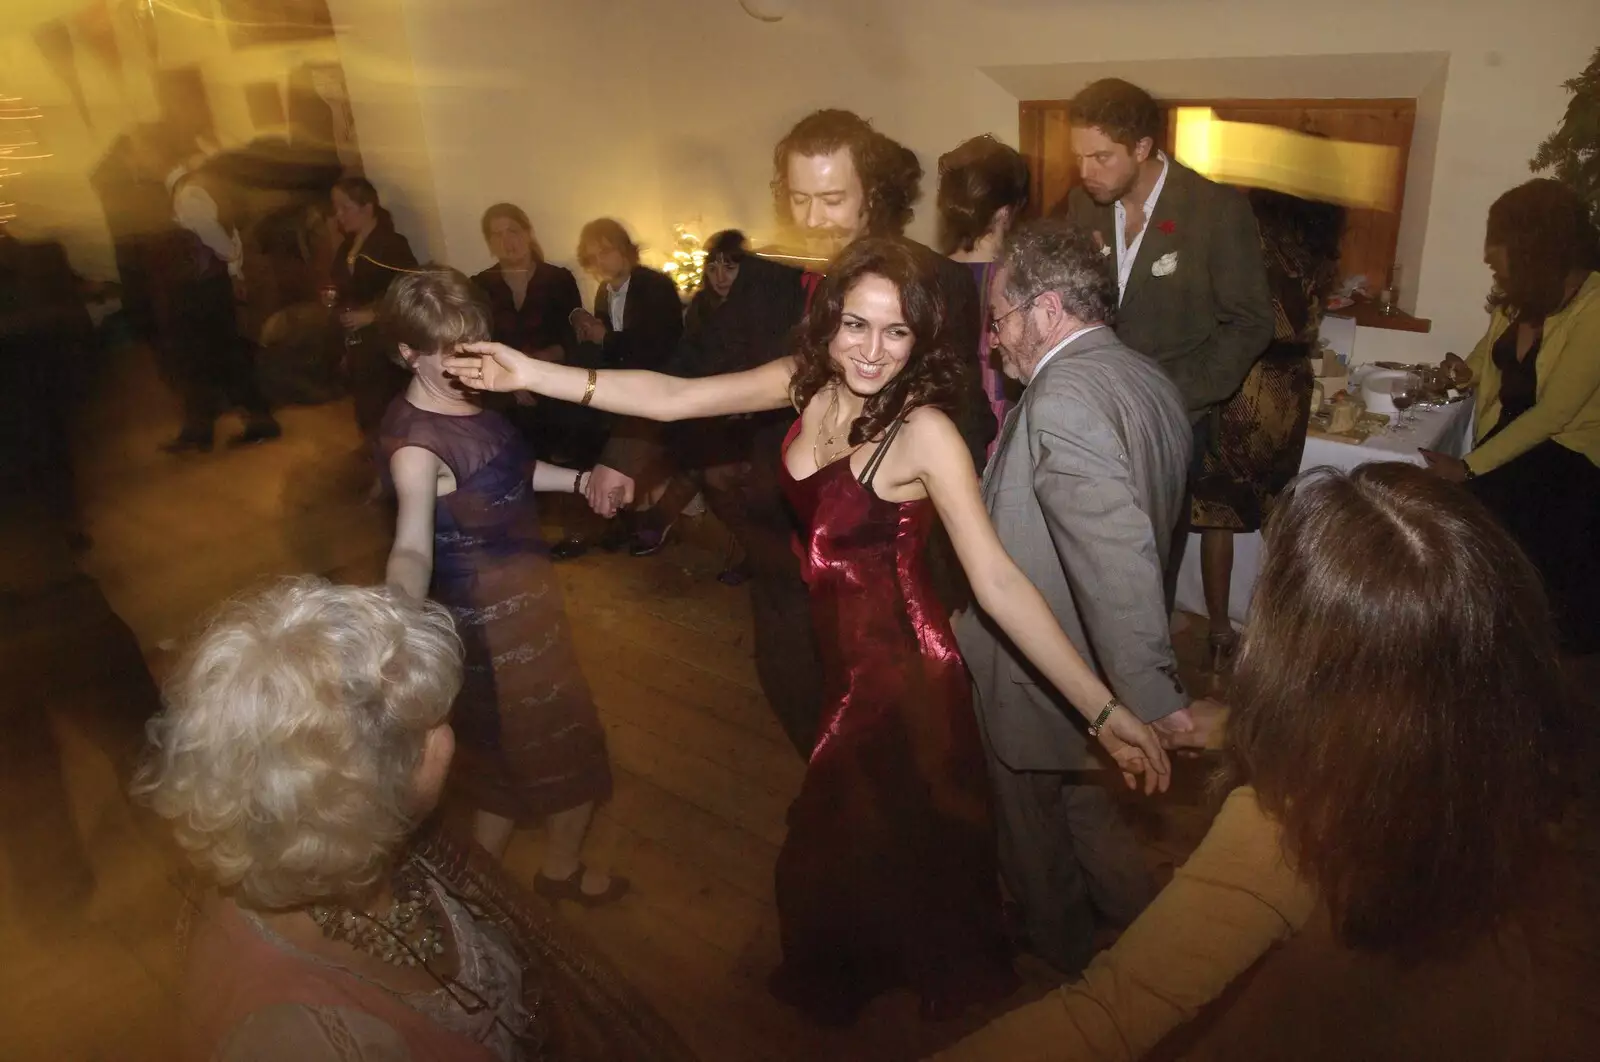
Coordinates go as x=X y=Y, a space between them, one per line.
x=933 y=375
x=1397 y=705
x=1548 y=235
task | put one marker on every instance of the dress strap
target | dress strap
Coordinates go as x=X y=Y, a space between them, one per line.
x=876 y=460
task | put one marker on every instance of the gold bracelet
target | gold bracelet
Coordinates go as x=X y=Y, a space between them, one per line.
x=1105 y=713
x=588 y=392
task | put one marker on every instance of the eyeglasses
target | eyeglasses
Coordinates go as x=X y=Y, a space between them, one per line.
x=994 y=325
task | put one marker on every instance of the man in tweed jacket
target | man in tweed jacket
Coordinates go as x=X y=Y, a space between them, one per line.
x=1085 y=491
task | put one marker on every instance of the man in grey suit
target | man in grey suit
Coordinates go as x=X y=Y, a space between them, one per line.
x=1084 y=491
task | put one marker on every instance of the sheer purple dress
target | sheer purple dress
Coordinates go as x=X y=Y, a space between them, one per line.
x=529 y=742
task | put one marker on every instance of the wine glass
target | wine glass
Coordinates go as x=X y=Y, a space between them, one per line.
x=352 y=336
x=1404 y=392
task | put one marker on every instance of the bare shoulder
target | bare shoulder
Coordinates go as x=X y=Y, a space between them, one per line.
x=930 y=425
x=414 y=459
x=930 y=441
x=415 y=471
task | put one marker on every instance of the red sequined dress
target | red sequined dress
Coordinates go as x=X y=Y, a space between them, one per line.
x=888 y=876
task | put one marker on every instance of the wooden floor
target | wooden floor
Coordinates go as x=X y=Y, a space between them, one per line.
x=704 y=774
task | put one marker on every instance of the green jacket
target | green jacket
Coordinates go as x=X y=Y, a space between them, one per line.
x=1197 y=299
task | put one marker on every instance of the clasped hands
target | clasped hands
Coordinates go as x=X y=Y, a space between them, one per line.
x=586 y=326
x=1140 y=750
x=1197 y=728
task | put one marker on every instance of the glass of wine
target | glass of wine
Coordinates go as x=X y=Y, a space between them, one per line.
x=1404 y=392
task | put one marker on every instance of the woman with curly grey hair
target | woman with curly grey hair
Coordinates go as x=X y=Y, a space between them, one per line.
x=305 y=737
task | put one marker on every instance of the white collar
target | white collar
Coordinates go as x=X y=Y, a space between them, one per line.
x=1059 y=347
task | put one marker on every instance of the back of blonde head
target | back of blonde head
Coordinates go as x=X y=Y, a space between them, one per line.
x=286 y=753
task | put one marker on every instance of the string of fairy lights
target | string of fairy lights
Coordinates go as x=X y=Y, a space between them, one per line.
x=17 y=144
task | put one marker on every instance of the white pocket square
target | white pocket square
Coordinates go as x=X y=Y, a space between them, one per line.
x=1166 y=265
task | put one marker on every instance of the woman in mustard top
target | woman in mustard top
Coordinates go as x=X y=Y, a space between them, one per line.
x=1536 y=462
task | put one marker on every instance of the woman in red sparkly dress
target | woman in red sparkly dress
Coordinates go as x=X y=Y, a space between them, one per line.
x=888 y=876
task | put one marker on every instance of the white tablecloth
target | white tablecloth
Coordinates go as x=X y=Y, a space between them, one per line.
x=1447 y=430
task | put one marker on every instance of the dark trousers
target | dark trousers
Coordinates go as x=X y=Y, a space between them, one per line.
x=1549 y=500
x=1067 y=859
x=787 y=661
x=211 y=365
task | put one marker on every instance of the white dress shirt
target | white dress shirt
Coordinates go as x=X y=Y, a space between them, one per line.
x=1127 y=252
x=195 y=210
x=617 y=303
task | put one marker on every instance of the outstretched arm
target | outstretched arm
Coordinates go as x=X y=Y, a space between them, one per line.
x=940 y=460
x=416 y=485
x=651 y=395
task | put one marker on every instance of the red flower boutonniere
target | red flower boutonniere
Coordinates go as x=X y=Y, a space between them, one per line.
x=1167 y=227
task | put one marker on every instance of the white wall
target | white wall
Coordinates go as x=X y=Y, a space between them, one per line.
x=659 y=112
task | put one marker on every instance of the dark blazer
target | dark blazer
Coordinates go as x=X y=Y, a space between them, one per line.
x=1209 y=317
x=754 y=325
x=652 y=322
x=382 y=256
x=544 y=318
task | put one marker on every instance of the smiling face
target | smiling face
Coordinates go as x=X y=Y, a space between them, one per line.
x=826 y=200
x=1107 y=169
x=874 y=341
x=510 y=243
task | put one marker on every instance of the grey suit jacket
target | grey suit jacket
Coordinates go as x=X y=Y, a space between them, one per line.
x=1085 y=491
x=1209 y=319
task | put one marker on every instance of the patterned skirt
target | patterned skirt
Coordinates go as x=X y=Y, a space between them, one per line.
x=529 y=742
x=1257 y=443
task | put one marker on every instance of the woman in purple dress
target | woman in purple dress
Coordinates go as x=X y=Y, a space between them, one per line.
x=983 y=190
x=888 y=876
x=530 y=748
